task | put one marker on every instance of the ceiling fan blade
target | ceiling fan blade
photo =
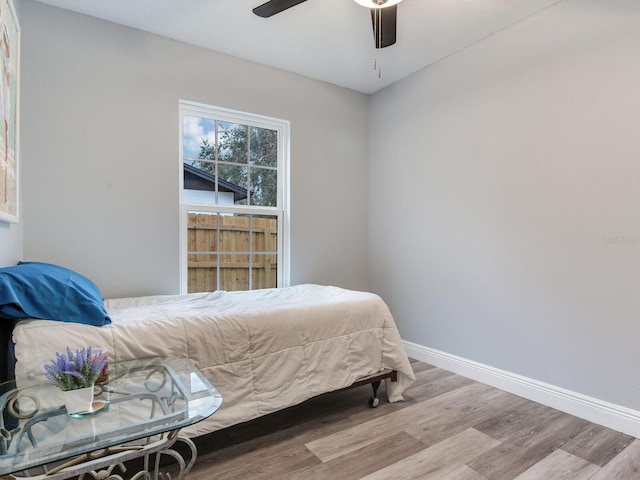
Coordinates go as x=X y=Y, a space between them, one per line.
x=275 y=6
x=384 y=22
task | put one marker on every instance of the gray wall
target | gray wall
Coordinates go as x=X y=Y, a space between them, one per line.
x=100 y=152
x=514 y=239
x=10 y=243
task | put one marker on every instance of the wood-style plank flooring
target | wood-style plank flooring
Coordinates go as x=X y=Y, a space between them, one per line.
x=448 y=428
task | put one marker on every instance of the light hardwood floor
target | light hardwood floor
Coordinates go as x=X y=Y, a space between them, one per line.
x=448 y=428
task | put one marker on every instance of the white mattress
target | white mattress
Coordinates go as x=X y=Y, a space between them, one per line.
x=264 y=350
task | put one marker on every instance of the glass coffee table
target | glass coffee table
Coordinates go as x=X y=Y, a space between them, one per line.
x=137 y=413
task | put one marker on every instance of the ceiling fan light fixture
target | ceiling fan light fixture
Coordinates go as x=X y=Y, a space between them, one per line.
x=377 y=3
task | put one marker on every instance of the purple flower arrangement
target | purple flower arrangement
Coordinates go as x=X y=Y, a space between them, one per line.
x=79 y=369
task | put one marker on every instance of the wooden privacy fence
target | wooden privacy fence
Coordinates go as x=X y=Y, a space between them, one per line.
x=231 y=248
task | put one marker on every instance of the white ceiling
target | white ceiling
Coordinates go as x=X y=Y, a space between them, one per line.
x=330 y=40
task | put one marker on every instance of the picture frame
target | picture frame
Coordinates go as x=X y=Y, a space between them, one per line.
x=9 y=113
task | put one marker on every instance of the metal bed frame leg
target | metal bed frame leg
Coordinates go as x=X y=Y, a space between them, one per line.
x=374 y=380
x=374 y=400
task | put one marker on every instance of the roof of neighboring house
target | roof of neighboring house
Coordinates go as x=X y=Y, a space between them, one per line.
x=196 y=179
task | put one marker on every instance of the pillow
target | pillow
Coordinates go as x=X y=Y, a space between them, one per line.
x=50 y=292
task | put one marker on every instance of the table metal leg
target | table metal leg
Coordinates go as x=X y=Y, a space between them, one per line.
x=102 y=464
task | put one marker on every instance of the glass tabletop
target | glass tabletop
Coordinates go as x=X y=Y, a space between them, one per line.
x=141 y=398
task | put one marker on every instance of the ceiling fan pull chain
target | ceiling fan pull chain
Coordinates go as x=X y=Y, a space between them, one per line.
x=377 y=34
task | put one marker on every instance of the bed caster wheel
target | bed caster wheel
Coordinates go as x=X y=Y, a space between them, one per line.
x=373 y=402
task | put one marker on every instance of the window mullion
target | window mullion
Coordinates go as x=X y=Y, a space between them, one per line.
x=216 y=159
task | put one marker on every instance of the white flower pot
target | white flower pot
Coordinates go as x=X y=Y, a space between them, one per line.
x=78 y=401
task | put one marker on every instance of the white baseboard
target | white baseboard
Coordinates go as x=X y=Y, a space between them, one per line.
x=616 y=417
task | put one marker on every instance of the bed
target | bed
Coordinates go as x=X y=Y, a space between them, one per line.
x=264 y=350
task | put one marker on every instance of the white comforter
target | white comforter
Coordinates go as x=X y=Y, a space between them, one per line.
x=264 y=350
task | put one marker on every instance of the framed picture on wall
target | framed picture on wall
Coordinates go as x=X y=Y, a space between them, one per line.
x=9 y=72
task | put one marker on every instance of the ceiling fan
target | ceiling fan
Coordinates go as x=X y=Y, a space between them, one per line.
x=383 y=16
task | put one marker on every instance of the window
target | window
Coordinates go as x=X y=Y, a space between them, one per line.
x=234 y=189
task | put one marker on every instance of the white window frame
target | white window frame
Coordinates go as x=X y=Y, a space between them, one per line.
x=281 y=210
